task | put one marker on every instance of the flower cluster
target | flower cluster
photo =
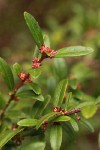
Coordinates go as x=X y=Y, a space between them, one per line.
x=36 y=63
x=23 y=76
x=44 y=49
x=64 y=112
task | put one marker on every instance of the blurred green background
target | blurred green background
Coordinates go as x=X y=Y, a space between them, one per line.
x=67 y=22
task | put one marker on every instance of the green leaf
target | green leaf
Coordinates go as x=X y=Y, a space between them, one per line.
x=7 y=135
x=35 y=73
x=81 y=105
x=73 y=51
x=87 y=124
x=60 y=92
x=73 y=83
x=74 y=125
x=6 y=73
x=97 y=100
x=17 y=68
x=23 y=92
x=46 y=40
x=69 y=96
x=38 y=107
x=34 y=28
x=27 y=122
x=89 y=111
x=56 y=137
x=61 y=118
x=45 y=118
x=37 y=53
x=35 y=87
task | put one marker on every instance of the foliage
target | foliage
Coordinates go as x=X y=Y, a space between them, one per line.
x=44 y=111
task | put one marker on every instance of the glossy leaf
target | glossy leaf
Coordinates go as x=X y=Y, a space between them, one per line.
x=87 y=124
x=61 y=118
x=74 y=125
x=17 y=68
x=56 y=137
x=73 y=51
x=23 y=92
x=60 y=92
x=7 y=135
x=73 y=83
x=38 y=107
x=6 y=72
x=45 y=118
x=46 y=40
x=89 y=111
x=69 y=95
x=34 y=28
x=98 y=100
x=81 y=105
x=35 y=87
x=35 y=73
x=27 y=122
x=37 y=52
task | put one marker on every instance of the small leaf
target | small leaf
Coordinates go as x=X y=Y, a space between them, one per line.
x=61 y=118
x=87 y=124
x=46 y=40
x=97 y=100
x=60 y=92
x=27 y=122
x=35 y=73
x=74 y=125
x=7 y=73
x=7 y=135
x=73 y=83
x=38 y=107
x=34 y=28
x=81 y=105
x=73 y=51
x=89 y=111
x=56 y=137
x=45 y=118
x=69 y=96
x=37 y=53
x=35 y=87
x=17 y=68
x=23 y=92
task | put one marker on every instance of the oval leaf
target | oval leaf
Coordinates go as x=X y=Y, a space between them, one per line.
x=23 y=92
x=74 y=125
x=7 y=73
x=56 y=137
x=34 y=28
x=73 y=51
x=38 y=107
x=35 y=73
x=61 y=118
x=27 y=122
x=87 y=124
x=60 y=92
x=89 y=111
x=17 y=68
x=45 y=118
x=35 y=87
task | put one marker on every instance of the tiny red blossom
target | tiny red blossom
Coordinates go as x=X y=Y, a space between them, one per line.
x=52 y=54
x=22 y=76
x=36 y=65
x=56 y=109
x=35 y=60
